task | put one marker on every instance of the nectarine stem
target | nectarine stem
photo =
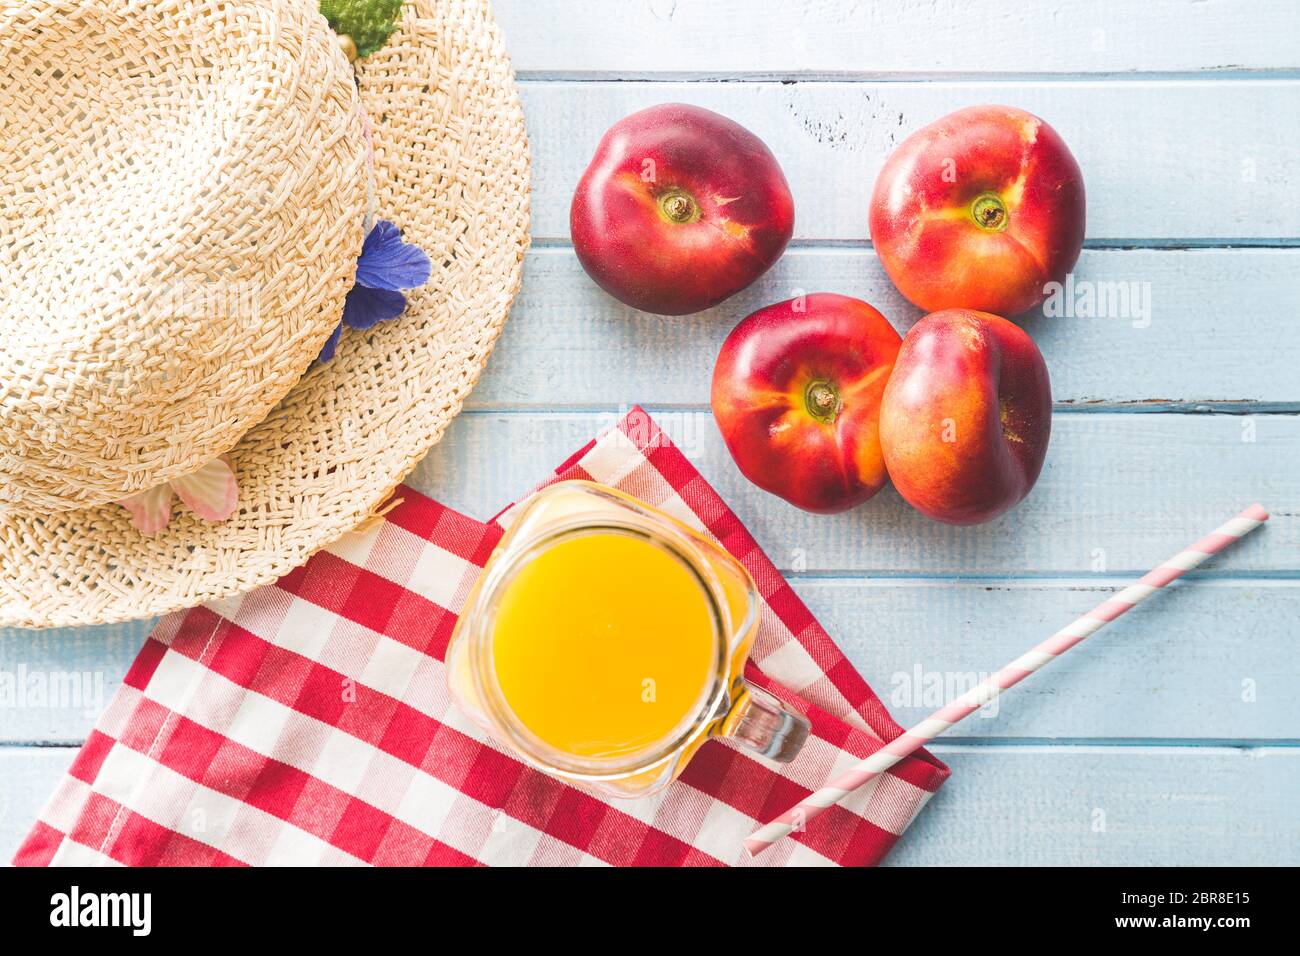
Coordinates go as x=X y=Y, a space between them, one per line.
x=989 y=212
x=822 y=401
x=677 y=206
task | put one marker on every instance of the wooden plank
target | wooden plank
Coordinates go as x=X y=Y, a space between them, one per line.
x=55 y=683
x=1118 y=493
x=1032 y=806
x=1214 y=661
x=1162 y=160
x=28 y=775
x=717 y=38
x=1100 y=806
x=1210 y=326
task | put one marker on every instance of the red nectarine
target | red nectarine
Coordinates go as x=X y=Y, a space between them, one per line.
x=796 y=394
x=966 y=416
x=679 y=209
x=979 y=210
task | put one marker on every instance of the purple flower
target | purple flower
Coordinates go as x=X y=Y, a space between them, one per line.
x=386 y=267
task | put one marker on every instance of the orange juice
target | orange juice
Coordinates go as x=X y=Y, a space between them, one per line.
x=604 y=644
x=605 y=641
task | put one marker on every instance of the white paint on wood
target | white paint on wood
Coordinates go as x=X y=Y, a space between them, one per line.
x=1212 y=325
x=1160 y=159
x=55 y=683
x=1210 y=659
x=1119 y=493
x=1109 y=806
x=718 y=38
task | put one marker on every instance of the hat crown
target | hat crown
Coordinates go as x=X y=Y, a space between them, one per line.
x=183 y=191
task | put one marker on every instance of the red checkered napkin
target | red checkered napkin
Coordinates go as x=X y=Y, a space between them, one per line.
x=308 y=722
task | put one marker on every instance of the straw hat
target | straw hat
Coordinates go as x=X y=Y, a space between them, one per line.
x=185 y=186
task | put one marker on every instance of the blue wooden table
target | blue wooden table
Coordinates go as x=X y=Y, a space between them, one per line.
x=1175 y=737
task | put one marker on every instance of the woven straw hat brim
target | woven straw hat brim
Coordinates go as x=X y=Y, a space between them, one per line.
x=452 y=171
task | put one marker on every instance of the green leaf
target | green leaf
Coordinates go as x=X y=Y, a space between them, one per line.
x=369 y=22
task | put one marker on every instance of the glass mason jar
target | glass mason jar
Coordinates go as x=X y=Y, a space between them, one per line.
x=726 y=706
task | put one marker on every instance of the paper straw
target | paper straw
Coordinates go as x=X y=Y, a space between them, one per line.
x=979 y=695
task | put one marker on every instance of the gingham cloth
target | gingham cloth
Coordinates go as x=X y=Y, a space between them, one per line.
x=308 y=722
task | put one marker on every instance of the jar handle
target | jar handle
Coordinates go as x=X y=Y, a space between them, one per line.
x=762 y=723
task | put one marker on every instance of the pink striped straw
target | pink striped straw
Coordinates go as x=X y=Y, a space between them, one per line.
x=979 y=695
